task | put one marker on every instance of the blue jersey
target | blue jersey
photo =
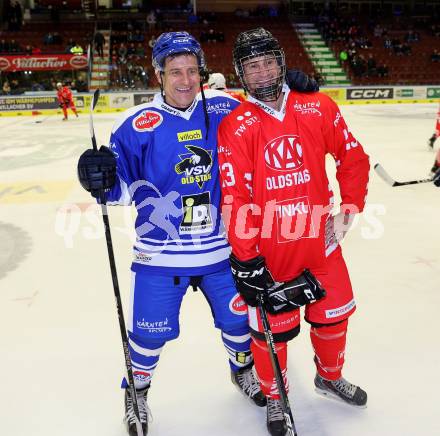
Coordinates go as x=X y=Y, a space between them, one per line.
x=167 y=167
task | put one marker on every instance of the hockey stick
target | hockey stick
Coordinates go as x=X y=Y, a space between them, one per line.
x=287 y=412
x=390 y=181
x=111 y=258
x=42 y=120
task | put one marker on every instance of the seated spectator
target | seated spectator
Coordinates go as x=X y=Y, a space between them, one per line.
x=4 y=46
x=122 y=51
x=382 y=70
x=138 y=36
x=77 y=50
x=48 y=39
x=28 y=50
x=70 y=44
x=387 y=43
x=378 y=31
x=131 y=50
x=435 y=56
x=6 y=88
x=36 y=50
x=140 y=50
x=14 y=47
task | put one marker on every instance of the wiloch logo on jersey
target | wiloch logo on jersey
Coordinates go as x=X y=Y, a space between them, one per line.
x=147 y=121
x=4 y=64
x=190 y=135
x=284 y=153
x=369 y=93
x=237 y=305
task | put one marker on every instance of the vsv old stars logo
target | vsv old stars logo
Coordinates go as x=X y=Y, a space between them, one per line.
x=284 y=153
x=196 y=166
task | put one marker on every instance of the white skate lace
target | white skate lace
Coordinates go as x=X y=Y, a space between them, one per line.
x=144 y=410
x=344 y=387
x=274 y=410
x=248 y=382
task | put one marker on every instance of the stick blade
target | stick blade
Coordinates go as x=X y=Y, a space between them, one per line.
x=95 y=98
x=384 y=175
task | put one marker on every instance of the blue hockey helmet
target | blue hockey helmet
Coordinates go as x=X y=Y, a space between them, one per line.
x=173 y=43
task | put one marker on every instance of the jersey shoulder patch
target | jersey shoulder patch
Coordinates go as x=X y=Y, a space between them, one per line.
x=136 y=112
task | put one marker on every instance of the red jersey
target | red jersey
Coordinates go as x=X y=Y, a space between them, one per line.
x=64 y=94
x=276 y=194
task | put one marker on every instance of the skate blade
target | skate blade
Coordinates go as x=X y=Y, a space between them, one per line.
x=332 y=396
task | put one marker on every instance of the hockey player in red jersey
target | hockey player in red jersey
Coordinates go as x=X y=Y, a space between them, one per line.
x=277 y=210
x=436 y=134
x=218 y=81
x=435 y=170
x=65 y=99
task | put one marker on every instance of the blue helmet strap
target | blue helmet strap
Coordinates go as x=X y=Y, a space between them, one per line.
x=205 y=110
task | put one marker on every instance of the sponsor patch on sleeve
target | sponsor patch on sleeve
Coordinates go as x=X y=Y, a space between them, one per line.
x=147 y=121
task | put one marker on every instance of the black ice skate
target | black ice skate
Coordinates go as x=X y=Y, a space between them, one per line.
x=144 y=411
x=342 y=390
x=431 y=141
x=275 y=418
x=248 y=383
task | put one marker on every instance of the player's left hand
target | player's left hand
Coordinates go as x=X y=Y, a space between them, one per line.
x=285 y=296
x=336 y=227
x=301 y=82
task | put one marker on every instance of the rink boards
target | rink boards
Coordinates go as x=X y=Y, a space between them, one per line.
x=47 y=103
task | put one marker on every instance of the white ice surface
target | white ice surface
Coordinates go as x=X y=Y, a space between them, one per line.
x=61 y=356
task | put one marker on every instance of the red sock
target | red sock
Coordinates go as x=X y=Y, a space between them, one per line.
x=64 y=111
x=329 y=345
x=263 y=366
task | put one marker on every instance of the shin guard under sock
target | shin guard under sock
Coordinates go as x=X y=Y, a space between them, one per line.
x=329 y=345
x=264 y=369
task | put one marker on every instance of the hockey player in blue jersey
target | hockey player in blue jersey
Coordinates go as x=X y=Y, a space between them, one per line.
x=163 y=159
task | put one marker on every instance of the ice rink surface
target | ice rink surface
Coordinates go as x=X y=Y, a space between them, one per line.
x=61 y=354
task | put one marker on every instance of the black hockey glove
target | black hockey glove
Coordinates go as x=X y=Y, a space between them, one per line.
x=97 y=170
x=302 y=290
x=436 y=178
x=301 y=82
x=251 y=277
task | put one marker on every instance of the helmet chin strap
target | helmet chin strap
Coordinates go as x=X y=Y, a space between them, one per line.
x=161 y=85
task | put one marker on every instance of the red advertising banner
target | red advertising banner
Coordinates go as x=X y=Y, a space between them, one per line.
x=43 y=62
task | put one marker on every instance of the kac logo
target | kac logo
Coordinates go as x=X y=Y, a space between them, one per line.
x=284 y=153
